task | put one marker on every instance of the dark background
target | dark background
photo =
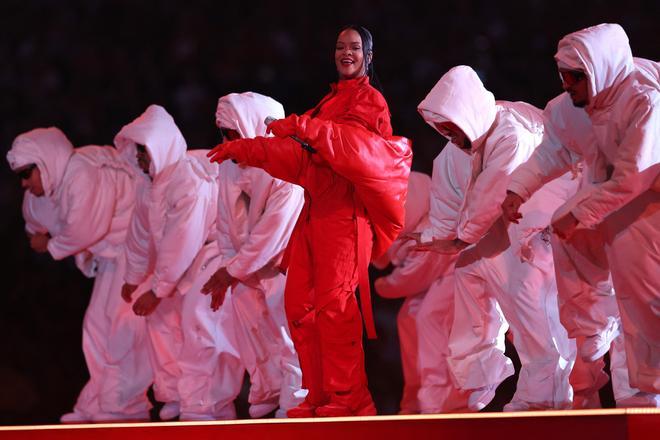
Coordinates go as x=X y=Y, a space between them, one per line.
x=90 y=66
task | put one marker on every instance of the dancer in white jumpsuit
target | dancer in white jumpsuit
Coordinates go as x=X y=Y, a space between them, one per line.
x=79 y=202
x=175 y=211
x=437 y=392
x=510 y=264
x=621 y=102
x=412 y=276
x=256 y=215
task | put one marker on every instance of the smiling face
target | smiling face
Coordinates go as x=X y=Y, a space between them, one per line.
x=575 y=83
x=31 y=179
x=349 y=55
x=453 y=132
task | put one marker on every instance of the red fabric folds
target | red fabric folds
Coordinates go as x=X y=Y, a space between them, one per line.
x=377 y=166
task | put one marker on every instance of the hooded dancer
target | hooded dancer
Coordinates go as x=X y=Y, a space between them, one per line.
x=508 y=264
x=437 y=392
x=78 y=202
x=355 y=178
x=175 y=212
x=587 y=306
x=413 y=275
x=256 y=215
x=618 y=207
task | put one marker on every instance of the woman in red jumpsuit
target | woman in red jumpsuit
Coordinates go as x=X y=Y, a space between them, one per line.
x=355 y=184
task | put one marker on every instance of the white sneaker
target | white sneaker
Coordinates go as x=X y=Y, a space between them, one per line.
x=594 y=347
x=516 y=405
x=259 y=410
x=169 y=411
x=481 y=397
x=640 y=400
x=75 y=417
x=227 y=412
x=114 y=417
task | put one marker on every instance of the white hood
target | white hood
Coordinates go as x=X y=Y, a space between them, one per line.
x=156 y=130
x=460 y=97
x=246 y=112
x=48 y=148
x=603 y=53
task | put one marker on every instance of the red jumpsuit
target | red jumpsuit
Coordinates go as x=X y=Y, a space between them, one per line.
x=355 y=188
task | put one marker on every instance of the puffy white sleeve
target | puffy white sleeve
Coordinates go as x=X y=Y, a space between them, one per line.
x=270 y=235
x=138 y=242
x=485 y=196
x=35 y=213
x=86 y=210
x=636 y=165
x=184 y=234
x=562 y=126
x=414 y=275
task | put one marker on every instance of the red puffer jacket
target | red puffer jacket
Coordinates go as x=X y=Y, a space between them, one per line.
x=350 y=128
x=359 y=171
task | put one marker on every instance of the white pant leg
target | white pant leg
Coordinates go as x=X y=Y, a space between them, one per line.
x=166 y=339
x=116 y=350
x=526 y=291
x=406 y=321
x=437 y=392
x=211 y=371
x=634 y=257
x=476 y=341
x=586 y=379
x=619 y=370
x=291 y=392
x=586 y=297
x=259 y=343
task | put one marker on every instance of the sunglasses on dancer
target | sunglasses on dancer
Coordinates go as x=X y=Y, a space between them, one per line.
x=570 y=77
x=26 y=172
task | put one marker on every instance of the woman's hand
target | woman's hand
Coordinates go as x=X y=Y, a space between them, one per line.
x=283 y=127
x=221 y=152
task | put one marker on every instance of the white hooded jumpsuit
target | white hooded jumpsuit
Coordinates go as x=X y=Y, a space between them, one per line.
x=587 y=305
x=623 y=161
x=413 y=274
x=88 y=201
x=175 y=212
x=256 y=215
x=437 y=392
x=513 y=264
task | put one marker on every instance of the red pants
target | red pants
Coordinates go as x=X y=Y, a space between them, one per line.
x=323 y=313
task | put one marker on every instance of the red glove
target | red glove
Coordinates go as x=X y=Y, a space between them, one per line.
x=222 y=152
x=284 y=127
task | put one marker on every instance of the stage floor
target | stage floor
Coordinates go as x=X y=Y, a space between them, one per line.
x=602 y=424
